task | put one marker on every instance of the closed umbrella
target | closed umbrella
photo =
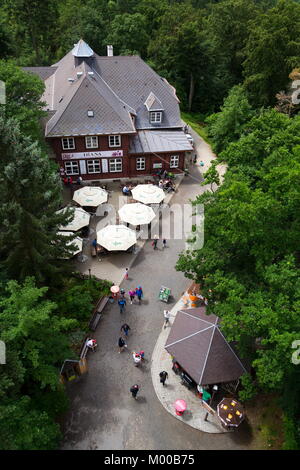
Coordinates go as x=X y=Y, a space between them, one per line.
x=77 y=242
x=90 y=196
x=136 y=214
x=116 y=237
x=148 y=193
x=81 y=219
x=230 y=412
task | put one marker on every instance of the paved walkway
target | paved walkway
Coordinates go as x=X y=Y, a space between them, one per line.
x=103 y=415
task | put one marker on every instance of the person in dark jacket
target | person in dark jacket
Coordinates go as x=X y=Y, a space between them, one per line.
x=163 y=375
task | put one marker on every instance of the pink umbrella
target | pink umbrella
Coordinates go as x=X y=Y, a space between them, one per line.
x=114 y=289
x=180 y=406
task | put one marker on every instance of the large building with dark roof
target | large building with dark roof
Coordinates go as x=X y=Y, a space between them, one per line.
x=111 y=117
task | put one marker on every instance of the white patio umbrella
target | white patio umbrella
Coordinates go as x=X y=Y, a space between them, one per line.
x=116 y=237
x=90 y=196
x=136 y=214
x=77 y=242
x=81 y=219
x=148 y=193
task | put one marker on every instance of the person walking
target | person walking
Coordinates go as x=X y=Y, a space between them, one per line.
x=167 y=315
x=163 y=375
x=164 y=243
x=154 y=243
x=122 y=304
x=122 y=293
x=134 y=390
x=126 y=273
x=136 y=358
x=131 y=294
x=121 y=344
x=139 y=293
x=125 y=328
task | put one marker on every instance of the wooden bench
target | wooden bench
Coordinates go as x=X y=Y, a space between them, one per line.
x=97 y=313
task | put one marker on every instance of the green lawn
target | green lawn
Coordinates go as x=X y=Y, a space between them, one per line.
x=195 y=120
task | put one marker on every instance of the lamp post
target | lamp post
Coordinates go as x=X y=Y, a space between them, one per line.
x=89 y=273
x=215 y=389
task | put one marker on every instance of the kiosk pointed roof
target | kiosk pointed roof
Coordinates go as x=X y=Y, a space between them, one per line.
x=82 y=49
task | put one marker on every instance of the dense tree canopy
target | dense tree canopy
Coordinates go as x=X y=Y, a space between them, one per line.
x=203 y=47
x=249 y=264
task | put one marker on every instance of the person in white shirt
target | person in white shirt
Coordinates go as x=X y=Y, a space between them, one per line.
x=167 y=315
x=92 y=344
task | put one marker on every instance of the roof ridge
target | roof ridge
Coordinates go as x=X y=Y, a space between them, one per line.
x=113 y=92
x=187 y=337
x=109 y=103
x=197 y=318
x=215 y=326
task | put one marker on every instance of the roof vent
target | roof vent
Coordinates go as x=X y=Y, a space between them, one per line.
x=90 y=113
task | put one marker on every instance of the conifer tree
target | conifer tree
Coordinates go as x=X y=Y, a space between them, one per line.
x=30 y=195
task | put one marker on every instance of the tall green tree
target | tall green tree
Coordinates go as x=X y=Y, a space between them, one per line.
x=227 y=125
x=250 y=258
x=32 y=25
x=180 y=52
x=272 y=50
x=30 y=194
x=128 y=34
x=23 y=98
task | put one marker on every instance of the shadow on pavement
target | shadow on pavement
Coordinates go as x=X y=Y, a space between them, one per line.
x=243 y=435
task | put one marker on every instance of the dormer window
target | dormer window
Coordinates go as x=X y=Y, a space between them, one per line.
x=155 y=116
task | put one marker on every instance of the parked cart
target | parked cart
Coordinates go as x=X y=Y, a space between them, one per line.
x=164 y=294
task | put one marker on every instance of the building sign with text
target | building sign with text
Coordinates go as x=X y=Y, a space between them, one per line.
x=81 y=155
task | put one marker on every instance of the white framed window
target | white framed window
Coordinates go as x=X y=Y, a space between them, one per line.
x=140 y=163
x=115 y=165
x=72 y=168
x=91 y=142
x=93 y=166
x=155 y=116
x=174 y=161
x=114 y=140
x=68 y=143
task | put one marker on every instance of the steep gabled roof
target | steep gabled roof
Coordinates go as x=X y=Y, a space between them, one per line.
x=200 y=348
x=123 y=83
x=87 y=93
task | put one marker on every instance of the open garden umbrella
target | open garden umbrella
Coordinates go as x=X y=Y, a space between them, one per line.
x=90 y=196
x=148 y=193
x=81 y=219
x=77 y=242
x=136 y=214
x=116 y=237
x=114 y=289
x=230 y=412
